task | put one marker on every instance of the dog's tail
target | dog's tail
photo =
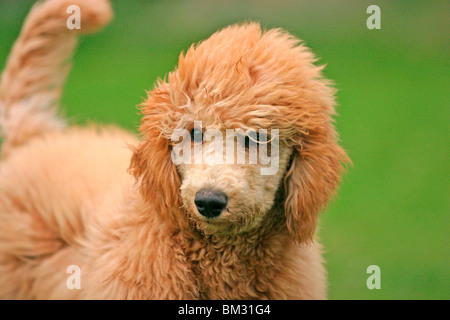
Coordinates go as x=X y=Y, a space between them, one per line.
x=38 y=64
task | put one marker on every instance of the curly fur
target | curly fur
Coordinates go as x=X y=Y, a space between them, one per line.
x=66 y=196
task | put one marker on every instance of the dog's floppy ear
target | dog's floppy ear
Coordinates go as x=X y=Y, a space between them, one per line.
x=310 y=181
x=151 y=163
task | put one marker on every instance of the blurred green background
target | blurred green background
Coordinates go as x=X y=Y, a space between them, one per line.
x=393 y=206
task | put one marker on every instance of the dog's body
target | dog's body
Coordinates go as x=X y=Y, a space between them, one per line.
x=66 y=197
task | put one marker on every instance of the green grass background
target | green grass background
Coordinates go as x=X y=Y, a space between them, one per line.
x=392 y=209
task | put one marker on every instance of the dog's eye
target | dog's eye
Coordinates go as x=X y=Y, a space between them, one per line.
x=196 y=135
x=251 y=136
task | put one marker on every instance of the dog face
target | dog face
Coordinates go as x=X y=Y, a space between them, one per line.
x=250 y=82
x=234 y=182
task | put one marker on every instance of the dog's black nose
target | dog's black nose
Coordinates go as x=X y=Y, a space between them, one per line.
x=210 y=203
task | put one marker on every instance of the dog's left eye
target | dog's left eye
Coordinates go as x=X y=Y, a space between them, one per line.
x=253 y=136
x=196 y=135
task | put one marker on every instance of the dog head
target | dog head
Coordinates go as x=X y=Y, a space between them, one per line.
x=254 y=89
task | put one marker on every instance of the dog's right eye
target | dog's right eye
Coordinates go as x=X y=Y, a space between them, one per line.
x=252 y=135
x=196 y=135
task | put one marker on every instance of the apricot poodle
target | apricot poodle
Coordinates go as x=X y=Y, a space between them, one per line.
x=135 y=223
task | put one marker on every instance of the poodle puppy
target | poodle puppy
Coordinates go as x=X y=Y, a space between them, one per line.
x=134 y=222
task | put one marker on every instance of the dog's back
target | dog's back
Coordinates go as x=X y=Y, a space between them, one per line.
x=51 y=191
